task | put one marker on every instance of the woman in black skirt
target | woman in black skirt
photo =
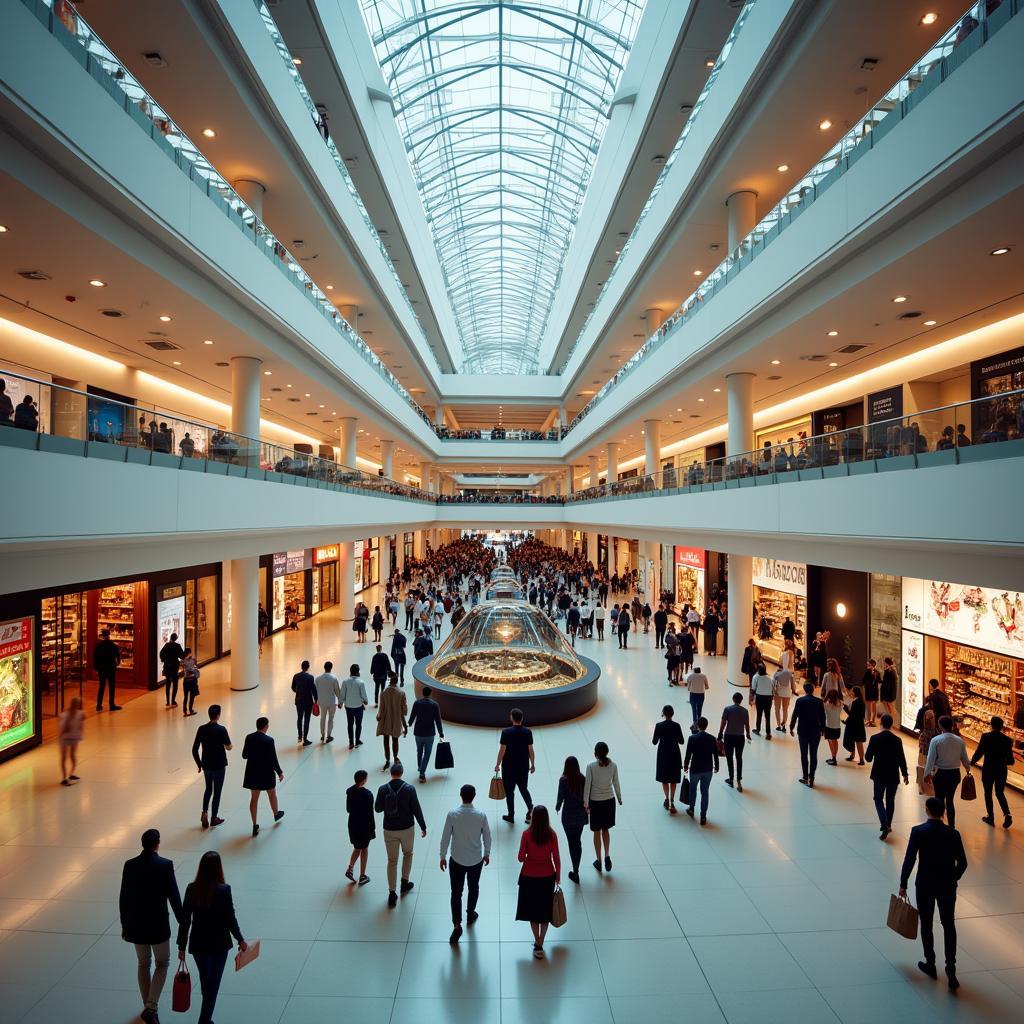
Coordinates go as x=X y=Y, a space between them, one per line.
x=541 y=871
x=855 y=734
x=574 y=817
x=668 y=738
x=600 y=791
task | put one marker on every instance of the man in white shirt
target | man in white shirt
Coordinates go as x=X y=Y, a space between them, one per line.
x=328 y=694
x=946 y=753
x=467 y=832
x=698 y=684
x=762 y=692
x=353 y=696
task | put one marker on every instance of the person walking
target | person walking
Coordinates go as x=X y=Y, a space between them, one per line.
x=400 y=805
x=262 y=626
x=698 y=685
x=209 y=751
x=106 y=656
x=995 y=750
x=833 y=724
x=540 y=873
x=353 y=697
x=833 y=679
x=762 y=696
x=783 y=691
x=808 y=720
x=734 y=733
x=171 y=655
x=687 y=651
x=701 y=761
x=207 y=925
x=600 y=791
x=888 y=762
x=148 y=888
x=70 y=729
x=855 y=734
x=380 y=667
x=622 y=628
x=599 y=616
x=660 y=624
x=870 y=686
x=261 y=767
x=189 y=684
x=889 y=686
x=941 y=861
x=516 y=763
x=377 y=623
x=304 y=688
x=328 y=693
x=362 y=828
x=425 y=721
x=574 y=814
x=668 y=768
x=751 y=659
x=946 y=753
x=468 y=835
x=391 y=721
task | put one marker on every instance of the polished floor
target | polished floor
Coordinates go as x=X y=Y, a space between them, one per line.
x=775 y=912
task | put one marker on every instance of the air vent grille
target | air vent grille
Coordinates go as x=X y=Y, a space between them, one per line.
x=850 y=349
x=34 y=275
x=163 y=346
x=814 y=358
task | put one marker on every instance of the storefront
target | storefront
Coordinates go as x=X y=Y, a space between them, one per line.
x=999 y=379
x=324 y=578
x=290 y=585
x=366 y=558
x=19 y=709
x=690 y=578
x=780 y=592
x=969 y=638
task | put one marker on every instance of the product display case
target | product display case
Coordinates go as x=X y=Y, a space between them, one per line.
x=61 y=650
x=771 y=608
x=115 y=610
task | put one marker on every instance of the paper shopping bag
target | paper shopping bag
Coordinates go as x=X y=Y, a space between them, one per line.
x=902 y=917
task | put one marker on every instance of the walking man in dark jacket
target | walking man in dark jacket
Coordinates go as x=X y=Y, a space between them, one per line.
x=106 y=656
x=304 y=688
x=401 y=808
x=148 y=886
x=808 y=720
x=214 y=742
x=380 y=667
x=171 y=656
x=425 y=720
x=888 y=762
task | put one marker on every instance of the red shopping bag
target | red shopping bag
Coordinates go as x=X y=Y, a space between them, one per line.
x=181 y=989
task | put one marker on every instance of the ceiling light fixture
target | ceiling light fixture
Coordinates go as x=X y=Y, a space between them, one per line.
x=1001 y=251
x=776 y=362
x=825 y=125
x=700 y=399
x=267 y=373
x=177 y=362
x=833 y=334
x=717 y=391
x=697 y=273
x=206 y=341
x=297 y=61
x=782 y=168
x=3 y=229
x=900 y=298
x=97 y=283
x=165 y=319
x=930 y=323
x=833 y=365
x=930 y=18
x=209 y=133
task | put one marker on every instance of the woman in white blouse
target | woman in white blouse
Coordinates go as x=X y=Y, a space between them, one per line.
x=600 y=791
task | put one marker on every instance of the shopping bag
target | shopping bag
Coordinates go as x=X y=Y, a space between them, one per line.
x=902 y=917
x=247 y=957
x=720 y=747
x=968 y=789
x=443 y=757
x=925 y=783
x=316 y=709
x=684 y=790
x=558 y=914
x=181 y=989
x=497 y=789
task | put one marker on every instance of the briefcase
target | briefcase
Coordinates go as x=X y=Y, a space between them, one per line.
x=497 y=789
x=925 y=783
x=443 y=757
x=181 y=989
x=968 y=789
x=902 y=917
x=684 y=790
x=558 y=914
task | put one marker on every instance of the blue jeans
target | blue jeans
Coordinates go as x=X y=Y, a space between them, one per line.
x=696 y=705
x=211 y=970
x=703 y=780
x=424 y=745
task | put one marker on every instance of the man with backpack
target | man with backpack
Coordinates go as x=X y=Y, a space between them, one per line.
x=400 y=805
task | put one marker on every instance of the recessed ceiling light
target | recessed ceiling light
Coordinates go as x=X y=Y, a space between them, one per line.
x=165 y=319
x=1001 y=251
x=321 y=406
x=825 y=125
x=700 y=399
x=930 y=18
x=206 y=341
x=297 y=61
x=929 y=323
x=267 y=373
x=900 y=298
x=679 y=410
x=782 y=168
x=775 y=362
x=833 y=334
x=3 y=229
x=209 y=133
x=709 y=62
x=306 y=395
x=287 y=385
x=177 y=362
x=833 y=364
x=97 y=283
x=330 y=287
x=697 y=273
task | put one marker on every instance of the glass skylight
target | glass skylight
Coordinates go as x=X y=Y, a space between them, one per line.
x=502 y=105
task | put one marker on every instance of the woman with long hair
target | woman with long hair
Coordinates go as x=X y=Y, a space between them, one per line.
x=855 y=735
x=833 y=723
x=574 y=815
x=668 y=769
x=600 y=791
x=542 y=868
x=207 y=924
x=832 y=679
x=69 y=735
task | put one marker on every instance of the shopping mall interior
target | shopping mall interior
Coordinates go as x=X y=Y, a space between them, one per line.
x=479 y=244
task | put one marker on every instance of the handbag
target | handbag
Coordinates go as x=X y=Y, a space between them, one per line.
x=496 y=791
x=684 y=790
x=968 y=788
x=558 y=913
x=902 y=917
x=720 y=747
x=248 y=955
x=925 y=783
x=181 y=989
x=443 y=758
x=316 y=709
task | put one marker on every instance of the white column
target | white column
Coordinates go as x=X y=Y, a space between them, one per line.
x=610 y=566
x=351 y=315
x=592 y=548
x=400 y=551
x=741 y=588
x=742 y=208
x=613 y=462
x=563 y=416
x=346 y=580
x=655 y=318
x=245 y=402
x=245 y=599
x=252 y=192
x=347 y=427
x=568 y=481
x=595 y=473
x=387 y=458
x=652 y=446
x=419 y=544
x=385 y=558
x=439 y=415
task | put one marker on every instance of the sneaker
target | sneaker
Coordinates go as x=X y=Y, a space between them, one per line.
x=471 y=916
x=349 y=875
x=278 y=815
x=392 y=898
x=455 y=935
x=204 y=821
x=406 y=886
x=597 y=865
x=508 y=818
x=607 y=863
x=363 y=879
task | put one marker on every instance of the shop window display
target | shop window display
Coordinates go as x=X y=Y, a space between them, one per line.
x=780 y=590
x=62 y=657
x=17 y=688
x=115 y=610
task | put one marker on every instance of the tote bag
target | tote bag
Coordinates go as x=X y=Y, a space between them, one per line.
x=558 y=913
x=497 y=789
x=443 y=757
x=968 y=788
x=181 y=989
x=902 y=917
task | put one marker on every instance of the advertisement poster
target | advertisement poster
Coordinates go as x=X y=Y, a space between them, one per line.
x=912 y=681
x=170 y=616
x=990 y=619
x=17 y=693
x=774 y=574
x=278 y=618
x=357 y=566
x=690 y=564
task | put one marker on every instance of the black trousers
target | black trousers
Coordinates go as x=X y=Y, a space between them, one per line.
x=211 y=971
x=408 y=620
x=354 y=719
x=574 y=840
x=214 y=778
x=624 y=638
x=946 y=781
x=400 y=669
x=945 y=899
x=512 y=780
x=659 y=636
x=809 y=753
x=302 y=714
x=107 y=676
x=885 y=800
x=989 y=782
x=458 y=875
x=171 y=686
x=734 y=748
x=379 y=682
x=764 y=703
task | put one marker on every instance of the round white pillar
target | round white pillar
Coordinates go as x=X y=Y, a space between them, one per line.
x=347 y=427
x=350 y=314
x=245 y=598
x=595 y=473
x=655 y=318
x=346 y=580
x=387 y=458
x=252 y=192
x=613 y=462
x=742 y=210
x=741 y=589
x=245 y=404
x=652 y=446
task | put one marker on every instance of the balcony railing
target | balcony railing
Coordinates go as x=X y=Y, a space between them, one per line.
x=497 y=434
x=74 y=33
x=979 y=23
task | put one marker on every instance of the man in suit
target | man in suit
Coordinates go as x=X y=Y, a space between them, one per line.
x=304 y=688
x=888 y=762
x=808 y=720
x=106 y=656
x=422 y=646
x=328 y=691
x=941 y=863
x=148 y=885
x=214 y=741
x=380 y=667
x=996 y=749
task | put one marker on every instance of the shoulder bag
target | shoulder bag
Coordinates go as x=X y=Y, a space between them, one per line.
x=181 y=989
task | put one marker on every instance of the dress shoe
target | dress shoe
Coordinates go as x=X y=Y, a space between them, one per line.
x=988 y=819
x=927 y=968
x=1007 y=821
x=703 y=820
x=739 y=787
x=803 y=781
x=728 y=782
x=204 y=821
x=215 y=821
x=508 y=818
x=573 y=877
x=392 y=898
x=307 y=743
x=455 y=935
x=607 y=863
x=407 y=886
x=952 y=980
x=278 y=815
x=689 y=811
x=597 y=864
x=471 y=917
x=255 y=831
x=115 y=707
